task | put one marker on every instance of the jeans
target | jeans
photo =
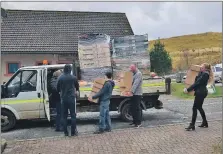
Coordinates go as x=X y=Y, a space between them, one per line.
x=105 y=119
x=198 y=103
x=136 y=109
x=69 y=104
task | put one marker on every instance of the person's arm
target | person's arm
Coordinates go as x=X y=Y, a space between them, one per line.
x=101 y=92
x=58 y=84
x=76 y=84
x=200 y=80
x=136 y=82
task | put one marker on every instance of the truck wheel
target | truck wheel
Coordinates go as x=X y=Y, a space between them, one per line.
x=8 y=120
x=126 y=113
x=158 y=105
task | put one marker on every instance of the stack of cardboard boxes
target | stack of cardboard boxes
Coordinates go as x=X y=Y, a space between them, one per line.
x=97 y=55
x=94 y=56
x=130 y=50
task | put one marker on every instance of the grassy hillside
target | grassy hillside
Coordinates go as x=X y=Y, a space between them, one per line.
x=204 y=47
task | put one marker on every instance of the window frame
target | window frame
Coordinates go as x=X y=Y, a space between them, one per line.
x=7 y=67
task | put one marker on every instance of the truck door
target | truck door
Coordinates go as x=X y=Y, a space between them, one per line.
x=45 y=93
x=22 y=94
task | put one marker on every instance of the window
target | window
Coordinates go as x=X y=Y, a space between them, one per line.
x=24 y=81
x=218 y=69
x=12 y=67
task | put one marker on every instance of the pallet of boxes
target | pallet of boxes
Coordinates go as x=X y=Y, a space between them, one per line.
x=191 y=75
x=94 y=56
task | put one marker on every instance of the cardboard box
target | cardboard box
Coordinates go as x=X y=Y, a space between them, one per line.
x=125 y=84
x=98 y=84
x=191 y=75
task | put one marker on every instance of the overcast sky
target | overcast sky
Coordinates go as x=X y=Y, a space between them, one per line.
x=157 y=19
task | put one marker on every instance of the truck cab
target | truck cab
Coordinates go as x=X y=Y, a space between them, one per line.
x=26 y=95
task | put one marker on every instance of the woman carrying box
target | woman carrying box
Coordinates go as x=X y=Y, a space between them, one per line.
x=204 y=77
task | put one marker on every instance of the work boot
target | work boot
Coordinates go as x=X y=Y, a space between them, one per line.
x=66 y=134
x=190 y=127
x=204 y=124
x=75 y=133
x=100 y=131
x=108 y=129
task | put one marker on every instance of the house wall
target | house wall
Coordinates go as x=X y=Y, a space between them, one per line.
x=27 y=60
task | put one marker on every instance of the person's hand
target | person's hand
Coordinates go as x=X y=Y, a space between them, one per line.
x=77 y=93
x=90 y=98
x=129 y=93
x=185 y=90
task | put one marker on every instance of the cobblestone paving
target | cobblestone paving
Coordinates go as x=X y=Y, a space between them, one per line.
x=168 y=139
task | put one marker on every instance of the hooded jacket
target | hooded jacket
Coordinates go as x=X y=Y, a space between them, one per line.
x=106 y=92
x=200 y=84
x=67 y=84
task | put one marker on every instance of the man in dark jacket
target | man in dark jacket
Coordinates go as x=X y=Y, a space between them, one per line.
x=68 y=87
x=104 y=96
x=136 y=94
x=56 y=99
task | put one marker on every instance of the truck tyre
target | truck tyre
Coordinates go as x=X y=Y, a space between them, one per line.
x=8 y=120
x=126 y=113
x=158 y=105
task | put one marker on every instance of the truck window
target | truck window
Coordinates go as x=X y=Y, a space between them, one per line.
x=218 y=69
x=24 y=81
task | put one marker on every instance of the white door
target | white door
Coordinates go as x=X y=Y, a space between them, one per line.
x=45 y=93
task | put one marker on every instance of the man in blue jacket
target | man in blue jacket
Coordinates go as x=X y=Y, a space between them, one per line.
x=68 y=86
x=104 y=96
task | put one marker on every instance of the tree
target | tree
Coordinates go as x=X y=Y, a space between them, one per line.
x=160 y=60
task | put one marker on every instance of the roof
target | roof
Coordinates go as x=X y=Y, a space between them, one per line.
x=44 y=32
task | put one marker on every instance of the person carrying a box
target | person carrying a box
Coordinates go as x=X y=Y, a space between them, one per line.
x=104 y=96
x=204 y=77
x=136 y=94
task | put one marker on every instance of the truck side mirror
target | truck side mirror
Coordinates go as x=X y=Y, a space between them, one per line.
x=2 y=91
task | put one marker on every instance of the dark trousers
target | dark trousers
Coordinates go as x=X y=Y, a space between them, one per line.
x=56 y=103
x=69 y=104
x=136 y=109
x=58 y=116
x=198 y=102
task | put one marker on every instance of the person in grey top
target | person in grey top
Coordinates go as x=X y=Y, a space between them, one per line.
x=136 y=96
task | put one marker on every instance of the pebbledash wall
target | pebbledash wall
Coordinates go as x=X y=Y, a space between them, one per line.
x=28 y=60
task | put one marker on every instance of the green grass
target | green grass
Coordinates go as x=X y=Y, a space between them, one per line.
x=177 y=91
x=116 y=87
x=202 y=43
